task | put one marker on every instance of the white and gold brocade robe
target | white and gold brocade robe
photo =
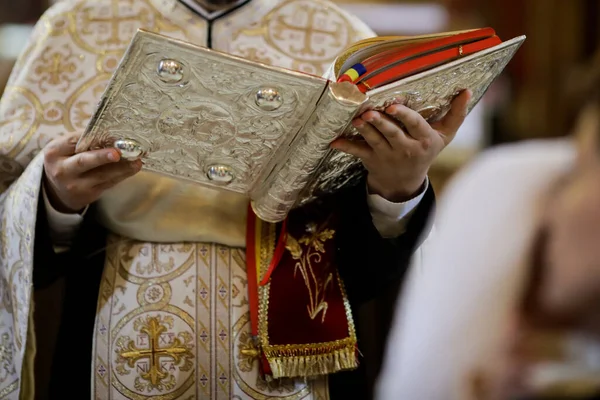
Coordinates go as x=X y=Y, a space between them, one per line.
x=172 y=320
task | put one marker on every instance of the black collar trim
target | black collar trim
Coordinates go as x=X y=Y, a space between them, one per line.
x=212 y=16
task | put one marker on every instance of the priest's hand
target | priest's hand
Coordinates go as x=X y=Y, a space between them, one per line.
x=397 y=158
x=72 y=181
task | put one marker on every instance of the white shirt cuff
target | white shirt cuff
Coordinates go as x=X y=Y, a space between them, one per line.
x=389 y=218
x=63 y=227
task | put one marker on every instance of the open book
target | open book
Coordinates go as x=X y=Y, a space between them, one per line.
x=222 y=121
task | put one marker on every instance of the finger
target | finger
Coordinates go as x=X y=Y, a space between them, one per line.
x=89 y=160
x=372 y=136
x=84 y=185
x=108 y=175
x=358 y=149
x=63 y=146
x=387 y=126
x=449 y=125
x=416 y=126
x=113 y=182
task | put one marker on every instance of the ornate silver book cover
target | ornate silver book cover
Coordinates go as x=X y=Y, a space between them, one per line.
x=218 y=120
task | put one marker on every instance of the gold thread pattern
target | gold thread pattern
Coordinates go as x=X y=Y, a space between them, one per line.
x=157 y=346
x=304 y=35
x=56 y=69
x=17 y=226
x=160 y=324
x=53 y=90
x=305 y=255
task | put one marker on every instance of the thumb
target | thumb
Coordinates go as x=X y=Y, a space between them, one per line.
x=449 y=125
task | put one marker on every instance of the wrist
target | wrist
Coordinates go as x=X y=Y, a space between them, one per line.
x=397 y=193
x=55 y=201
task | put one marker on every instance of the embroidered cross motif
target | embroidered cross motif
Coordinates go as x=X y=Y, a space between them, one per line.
x=156 y=353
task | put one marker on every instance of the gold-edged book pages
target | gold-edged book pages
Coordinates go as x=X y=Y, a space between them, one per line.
x=218 y=120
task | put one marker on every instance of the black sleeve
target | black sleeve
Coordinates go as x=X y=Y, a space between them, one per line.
x=47 y=264
x=372 y=268
x=370 y=264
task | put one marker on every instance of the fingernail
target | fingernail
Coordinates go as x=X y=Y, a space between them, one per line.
x=111 y=156
x=73 y=140
x=358 y=123
x=371 y=118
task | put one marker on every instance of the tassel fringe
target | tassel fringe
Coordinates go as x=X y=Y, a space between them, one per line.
x=308 y=366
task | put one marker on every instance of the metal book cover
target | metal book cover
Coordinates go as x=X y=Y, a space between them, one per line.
x=221 y=121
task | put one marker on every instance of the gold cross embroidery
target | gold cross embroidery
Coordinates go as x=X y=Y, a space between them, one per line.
x=309 y=31
x=154 y=328
x=115 y=22
x=55 y=68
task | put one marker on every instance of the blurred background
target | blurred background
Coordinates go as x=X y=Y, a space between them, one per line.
x=526 y=102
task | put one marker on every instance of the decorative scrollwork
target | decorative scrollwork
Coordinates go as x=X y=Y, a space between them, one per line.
x=208 y=117
x=430 y=93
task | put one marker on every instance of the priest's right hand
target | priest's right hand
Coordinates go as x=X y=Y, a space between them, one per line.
x=73 y=181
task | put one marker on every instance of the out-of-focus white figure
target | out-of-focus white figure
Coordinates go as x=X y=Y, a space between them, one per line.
x=513 y=268
x=453 y=318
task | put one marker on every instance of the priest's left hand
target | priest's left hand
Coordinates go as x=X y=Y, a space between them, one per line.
x=398 y=159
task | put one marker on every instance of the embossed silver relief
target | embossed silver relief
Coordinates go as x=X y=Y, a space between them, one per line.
x=332 y=115
x=210 y=117
x=432 y=113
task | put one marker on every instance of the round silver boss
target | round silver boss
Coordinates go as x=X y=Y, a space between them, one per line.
x=130 y=149
x=220 y=173
x=170 y=71
x=269 y=99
